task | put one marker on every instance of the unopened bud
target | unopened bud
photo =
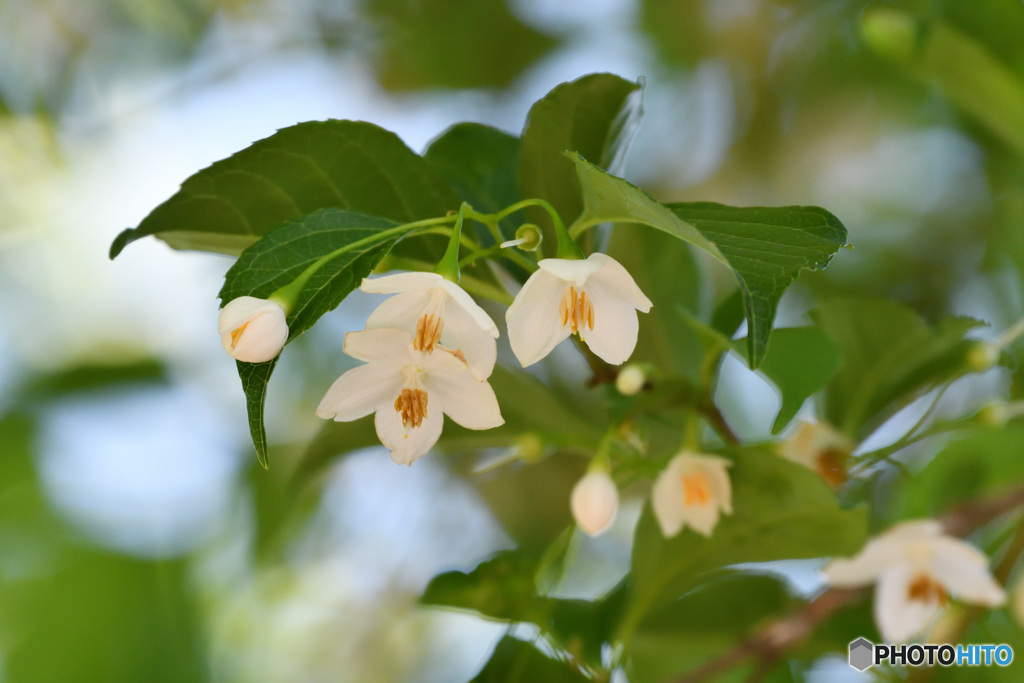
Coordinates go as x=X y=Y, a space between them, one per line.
x=594 y=501
x=253 y=330
x=530 y=447
x=630 y=380
x=981 y=356
x=994 y=415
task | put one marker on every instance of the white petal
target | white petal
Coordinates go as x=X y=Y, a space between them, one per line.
x=701 y=518
x=571 y=271
x=899 y=618
x=667 y=500
x=360 y=391
x=721 y=486
x=400 y=311
x=464 y=301
x=594 y=501
x=408 y=444
x=615 y=326
x=462 y=332
x=400 y=282
x=385 y=345
x=534 y=324
x=963 y=570
x=613 y=277
x=442 y=360
x=919 y=529
x=468 y=401
x=864 y=568
x=239 y=311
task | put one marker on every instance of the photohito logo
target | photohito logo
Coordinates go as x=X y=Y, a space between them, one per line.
x=864 y=654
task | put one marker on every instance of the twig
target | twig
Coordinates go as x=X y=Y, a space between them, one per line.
x=770 y=642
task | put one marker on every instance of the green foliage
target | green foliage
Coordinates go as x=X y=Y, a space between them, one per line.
x=890 y=356
x=516 y=661
x=452 y=44
x=766 y=247
x=350 y=165
x=781 y=511
x=596 y=116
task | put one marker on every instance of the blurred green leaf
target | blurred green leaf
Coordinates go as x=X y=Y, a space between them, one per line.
x=596 y=116
x=279 y=258
x=766 y=247
x=516 y=661
x=92 y=376
x=800 y=362
x=452 y=43
x=481 y=164
x=983 y=464
x=781 y=511
x=350 y=165
x=678 y=29
x=706 y=622
x=966 y=71
x=890 y=357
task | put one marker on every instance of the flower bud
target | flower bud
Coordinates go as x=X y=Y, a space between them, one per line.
x=594 y=501
x=630 y=380
x=253 y=330
x=981 y=356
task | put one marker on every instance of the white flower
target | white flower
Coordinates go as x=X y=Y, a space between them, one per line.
x=692 y=491
x=630 y=380
x=916 y=567
x=253 y=330
x=436 y=310
x=596 y=298
x=821 y=448
x=594 y=501
x=409 y=388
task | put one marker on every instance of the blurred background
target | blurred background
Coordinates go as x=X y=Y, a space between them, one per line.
x=138 y=538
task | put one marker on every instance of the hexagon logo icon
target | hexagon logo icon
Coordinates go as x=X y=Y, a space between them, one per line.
x=862 y=654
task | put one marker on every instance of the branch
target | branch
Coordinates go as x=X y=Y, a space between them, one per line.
x=770 y=642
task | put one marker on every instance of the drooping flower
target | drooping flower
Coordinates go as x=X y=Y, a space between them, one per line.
x=410 y=388
x=253 y=330
x=436 y=310
x=817 y=446
x=692 y=491
x=594 y=501
x=916 y=567
x=595 y=298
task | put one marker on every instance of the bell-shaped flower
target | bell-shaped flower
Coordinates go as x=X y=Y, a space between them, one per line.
x=692 y=491
x=916 y=567
x=595 y=298
x=819 y=447
x=436 y=310
x=410 y=389
x=253 y=330
x=594 y=501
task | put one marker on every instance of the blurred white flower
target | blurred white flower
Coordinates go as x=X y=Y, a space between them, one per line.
x=253 y=330
x=594 y=501
x=630 y=380
x=916 y=567
x=692 y=491
x=410 y=389
x=596 y=298
x=436 y=310
x=817 y=446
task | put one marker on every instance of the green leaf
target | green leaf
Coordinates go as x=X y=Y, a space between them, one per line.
x=480 y=162
x=781 y=510
x=766 y=247
x=516 y=661
x=890 y=357
x=350 y=165
x=280 y=257
x=452 y=43
x=800 y=362
x=981 y=465
x=596 y=116
x=502 y=587
x=705 y=623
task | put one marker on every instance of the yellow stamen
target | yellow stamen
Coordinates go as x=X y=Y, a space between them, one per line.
x=412 y=404
x=576 y=309
x=927 y=590
x=696 y=488
x=428 y=332
x=237 y=333
x=832 y=467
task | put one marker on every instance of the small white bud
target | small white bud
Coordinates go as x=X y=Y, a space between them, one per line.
x=630 y=380
x=982 y=356
x=253 y=330
x=594 y=501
